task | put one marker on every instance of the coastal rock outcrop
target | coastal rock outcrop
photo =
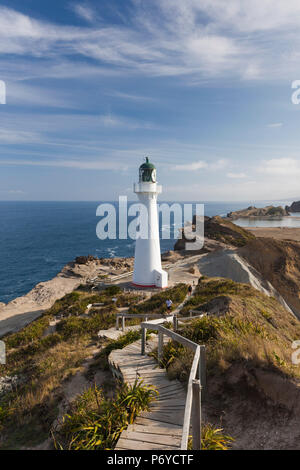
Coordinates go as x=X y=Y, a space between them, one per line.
x=294 y=207
x=252 y=211
x=23 y=310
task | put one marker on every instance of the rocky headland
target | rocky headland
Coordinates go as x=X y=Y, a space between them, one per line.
x=294 y=207
x=23 y=310
x=252 y=211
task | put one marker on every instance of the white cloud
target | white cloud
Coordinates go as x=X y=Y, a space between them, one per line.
x=129 y=96
x=201 y=164
x=109 y=120
x=12 y=191
x=203 y=40
x=280 y=167
x=76 y=164
x=275 y=124
x=9 y=136
x=191 y=166
x=84 y=11
x=236 y=175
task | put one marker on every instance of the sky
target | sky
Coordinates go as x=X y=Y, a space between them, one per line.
x=201 y=87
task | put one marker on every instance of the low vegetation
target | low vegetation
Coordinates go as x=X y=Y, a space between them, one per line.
x=213 y=438
x=42 y=359
x=157 y=302
x=95 y=422
x=253 y=329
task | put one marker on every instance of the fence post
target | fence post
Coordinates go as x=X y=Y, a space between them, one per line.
x=123 y=323
x=202 y=371
x=160 y=344
x=175 y=323
x=143 y=352
x=196 y=415
x=117 y=323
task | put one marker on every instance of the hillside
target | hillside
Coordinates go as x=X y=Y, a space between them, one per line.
x=278 y=262
x=218 y=233
x=253 y=387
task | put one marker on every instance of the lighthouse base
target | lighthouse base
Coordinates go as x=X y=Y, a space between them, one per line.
x=160 y=280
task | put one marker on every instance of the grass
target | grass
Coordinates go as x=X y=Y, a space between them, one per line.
x=157 y=303
x=43 y=363
x=255 y=330
x=95 y=422
x=230 y=233
x=213 y=438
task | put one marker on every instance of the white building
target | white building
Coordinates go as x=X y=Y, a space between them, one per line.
x=147 y=263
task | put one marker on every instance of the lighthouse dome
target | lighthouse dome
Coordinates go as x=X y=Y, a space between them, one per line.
x=147 y=172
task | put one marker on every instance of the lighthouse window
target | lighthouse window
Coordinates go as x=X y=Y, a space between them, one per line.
x=146 y=175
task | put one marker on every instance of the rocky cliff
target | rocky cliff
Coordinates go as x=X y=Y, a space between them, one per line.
x=279 y=263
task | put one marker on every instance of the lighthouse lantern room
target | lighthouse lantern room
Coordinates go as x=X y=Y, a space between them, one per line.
x=148 y=271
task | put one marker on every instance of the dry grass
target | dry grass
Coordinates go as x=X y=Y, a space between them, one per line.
x=256 y=331
x=43 y=363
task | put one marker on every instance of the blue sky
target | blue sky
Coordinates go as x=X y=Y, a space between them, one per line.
x=203 y=88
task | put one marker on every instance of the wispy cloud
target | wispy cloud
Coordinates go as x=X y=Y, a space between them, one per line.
x=85 y=12
x=203 y=40
x=12 y=191
x=8 y=136
x=281 y=167
x=110 y=120
x=130 y=97
x=275 y=124
x=236 y=175
x=191 y=166
x=76 y=164
x=201 y=164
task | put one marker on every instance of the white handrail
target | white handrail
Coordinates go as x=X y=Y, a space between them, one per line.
x=195 y=387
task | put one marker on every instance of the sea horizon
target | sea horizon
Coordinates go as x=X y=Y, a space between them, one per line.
x=29 y=236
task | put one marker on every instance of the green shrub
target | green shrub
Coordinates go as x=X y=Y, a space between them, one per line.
x=113 y=290
x=77 y=326
x=120 y=343
x=29 y=334
x=213 y=438
x=95 y=423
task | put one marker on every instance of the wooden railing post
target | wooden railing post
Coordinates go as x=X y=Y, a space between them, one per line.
x=160 y=344
x=196 y=415
x=117 y=323
x=144 y=332
x=175 y=322
x=202 y=371
x=123 y=323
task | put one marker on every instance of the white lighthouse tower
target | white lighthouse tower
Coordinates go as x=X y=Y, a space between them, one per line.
x=147 y=262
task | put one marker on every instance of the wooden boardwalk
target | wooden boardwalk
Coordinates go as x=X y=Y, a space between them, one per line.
x=161 y=427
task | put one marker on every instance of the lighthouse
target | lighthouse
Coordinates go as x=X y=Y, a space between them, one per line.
x=148 y=271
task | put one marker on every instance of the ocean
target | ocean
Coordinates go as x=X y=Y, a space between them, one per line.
x=38 y=238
